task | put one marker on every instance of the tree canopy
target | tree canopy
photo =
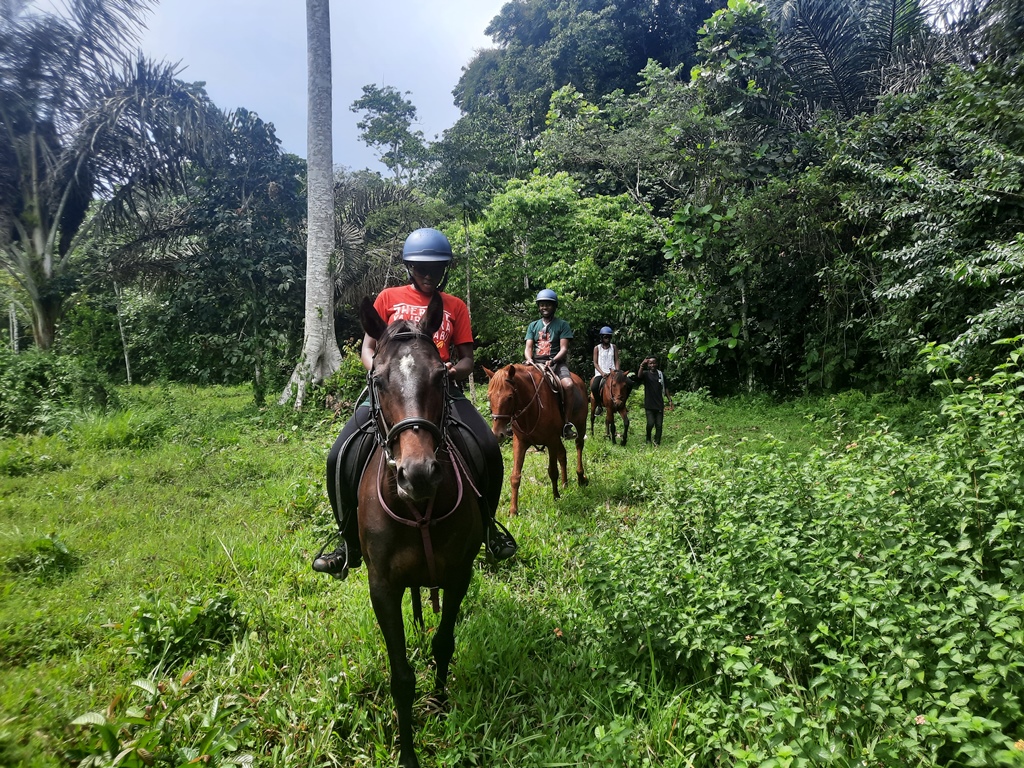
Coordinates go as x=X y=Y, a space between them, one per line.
x=81 y=121
x=794 y=195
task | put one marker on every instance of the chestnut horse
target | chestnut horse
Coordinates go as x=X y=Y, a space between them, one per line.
x=419 y=519
x=524 y=405
x=615 y=390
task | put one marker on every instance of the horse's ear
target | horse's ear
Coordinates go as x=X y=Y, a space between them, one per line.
x=511 y=371
x=371 y=321
x=489 y=372
x=434 y=315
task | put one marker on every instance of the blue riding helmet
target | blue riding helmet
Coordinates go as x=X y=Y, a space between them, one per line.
x=605 y=331
x=547 y=295
x=427 y=246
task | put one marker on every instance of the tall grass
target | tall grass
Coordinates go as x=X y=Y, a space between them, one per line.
x=171 y=546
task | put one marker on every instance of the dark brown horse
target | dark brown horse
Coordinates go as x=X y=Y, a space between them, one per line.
x=419 y=520
x=524 y=405
x=615 y=391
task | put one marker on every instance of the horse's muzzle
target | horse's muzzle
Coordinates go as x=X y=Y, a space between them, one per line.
x=502 y=433
x=418 y=480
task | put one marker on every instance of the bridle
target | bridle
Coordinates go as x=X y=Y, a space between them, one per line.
x=385 y=435
x=514 y=416
x=607 y=385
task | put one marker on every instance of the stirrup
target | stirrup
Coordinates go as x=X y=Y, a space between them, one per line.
x=500 y=544
x=332 y=563
x=569 y=432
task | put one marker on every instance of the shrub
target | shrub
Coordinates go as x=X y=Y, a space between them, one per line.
x=866 y=601
x=45 y=392
x=342 y=388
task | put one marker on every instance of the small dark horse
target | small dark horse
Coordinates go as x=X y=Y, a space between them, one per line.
x=524 y=405
x=419 y=519
x=615 y=390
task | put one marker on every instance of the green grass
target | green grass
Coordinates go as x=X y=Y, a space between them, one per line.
x=122 y=538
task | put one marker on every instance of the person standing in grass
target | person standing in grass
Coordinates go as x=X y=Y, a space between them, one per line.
x=655 y=395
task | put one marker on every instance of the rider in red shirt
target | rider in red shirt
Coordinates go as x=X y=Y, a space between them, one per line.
x=427 y=255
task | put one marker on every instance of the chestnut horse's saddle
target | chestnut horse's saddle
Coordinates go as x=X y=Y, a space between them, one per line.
x=549 y=376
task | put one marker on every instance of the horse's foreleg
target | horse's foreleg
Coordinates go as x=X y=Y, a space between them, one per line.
x=387 y=605
x=556 y=465
x=518 y=456
x=609 y=424
x=580 y=477
x=443 y=644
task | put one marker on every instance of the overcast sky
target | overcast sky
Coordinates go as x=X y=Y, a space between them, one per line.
x=252 y=54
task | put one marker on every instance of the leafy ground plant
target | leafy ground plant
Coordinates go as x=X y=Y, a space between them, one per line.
x=862 y=603
x=156 y=723
x=163 y=635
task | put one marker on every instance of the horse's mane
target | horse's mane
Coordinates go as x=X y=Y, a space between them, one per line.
x=500 y=377
x=403 y=330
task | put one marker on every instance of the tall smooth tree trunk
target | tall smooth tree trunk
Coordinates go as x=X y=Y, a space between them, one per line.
x=12 y=324
x=320 y=354
x=124 y=337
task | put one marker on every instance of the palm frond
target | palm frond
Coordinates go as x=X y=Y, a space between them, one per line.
x=363 y=268
x=145 y=130
x=823 y=46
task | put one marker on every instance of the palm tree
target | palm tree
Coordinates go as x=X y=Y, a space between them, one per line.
x=838 y=50
x=80 y=126
x=366 y=260
x=320 y=354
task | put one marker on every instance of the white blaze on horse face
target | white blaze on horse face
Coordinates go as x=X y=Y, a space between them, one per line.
x=407 y=365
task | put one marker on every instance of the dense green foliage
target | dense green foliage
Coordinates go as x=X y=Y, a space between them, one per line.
x=881 y=571
x=803 y=196
x=780 y=197
x=45 y=393
x=804 y=250
x=82 y=123
x=541 y=233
